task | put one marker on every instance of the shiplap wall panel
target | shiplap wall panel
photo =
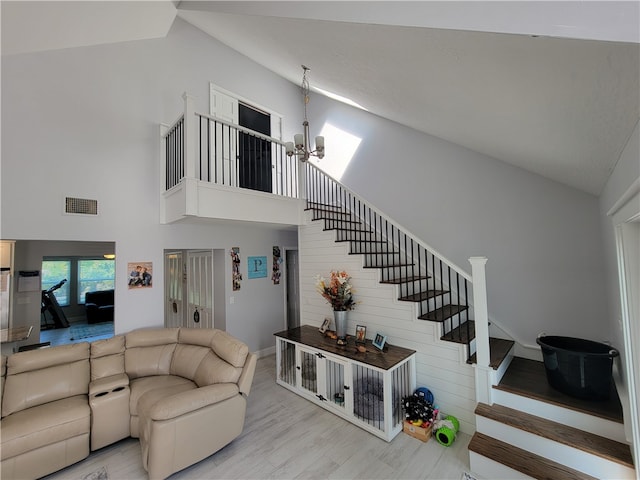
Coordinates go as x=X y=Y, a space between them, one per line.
x=440 y=366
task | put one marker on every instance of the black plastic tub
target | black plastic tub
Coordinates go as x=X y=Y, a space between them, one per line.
x=580 y=368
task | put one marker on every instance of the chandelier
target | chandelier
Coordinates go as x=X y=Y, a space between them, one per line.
x=300 y=146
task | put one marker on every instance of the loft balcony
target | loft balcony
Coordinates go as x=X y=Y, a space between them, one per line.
x=213 y=169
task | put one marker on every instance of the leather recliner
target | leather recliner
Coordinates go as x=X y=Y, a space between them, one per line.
x=181 y=391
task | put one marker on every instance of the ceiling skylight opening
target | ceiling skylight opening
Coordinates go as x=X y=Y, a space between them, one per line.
x=340 y=98
x=341 y=147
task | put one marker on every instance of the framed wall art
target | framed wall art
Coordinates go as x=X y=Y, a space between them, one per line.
x=140 y=274
x=257 y=267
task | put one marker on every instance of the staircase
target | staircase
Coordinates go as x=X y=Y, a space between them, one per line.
x=421 y=276
x=522 y=434
x=534 y=431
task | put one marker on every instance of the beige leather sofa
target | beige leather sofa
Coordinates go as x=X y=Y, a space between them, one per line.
x=182 y=392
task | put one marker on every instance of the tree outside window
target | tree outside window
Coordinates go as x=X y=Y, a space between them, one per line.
x=53 y=271
x=95 y=275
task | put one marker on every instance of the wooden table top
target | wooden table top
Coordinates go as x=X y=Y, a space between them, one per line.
x=311 y=336
x=16 y=334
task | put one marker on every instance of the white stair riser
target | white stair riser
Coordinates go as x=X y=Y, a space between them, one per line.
x=489 y=469
x=563 y=454
x=588 y=423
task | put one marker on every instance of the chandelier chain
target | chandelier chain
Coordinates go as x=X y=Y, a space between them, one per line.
x=305 y=89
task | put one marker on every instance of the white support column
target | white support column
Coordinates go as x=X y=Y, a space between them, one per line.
x=484 y=374
x=190 y=140
x=163 y=171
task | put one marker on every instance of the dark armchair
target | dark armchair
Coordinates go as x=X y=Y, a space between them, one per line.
x=99 y=306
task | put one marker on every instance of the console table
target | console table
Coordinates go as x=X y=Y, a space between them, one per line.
x=363 y=388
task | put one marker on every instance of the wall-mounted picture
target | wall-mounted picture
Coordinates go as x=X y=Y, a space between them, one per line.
x=140 y=274
x=257 y=267
x=361 y=334
x=277 y=260
x=235 y=267
x=379 y=341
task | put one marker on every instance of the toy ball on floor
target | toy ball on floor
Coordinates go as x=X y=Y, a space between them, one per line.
x=425 y=393
x=446 y=429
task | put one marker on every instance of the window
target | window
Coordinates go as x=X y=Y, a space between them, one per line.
x=95 y=275
x=53 y=271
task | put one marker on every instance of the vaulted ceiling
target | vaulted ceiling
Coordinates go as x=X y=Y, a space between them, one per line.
x=552 y=87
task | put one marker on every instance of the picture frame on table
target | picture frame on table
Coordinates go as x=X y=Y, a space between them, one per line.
x=325 y=325
x=361 y=334
x=379 y=340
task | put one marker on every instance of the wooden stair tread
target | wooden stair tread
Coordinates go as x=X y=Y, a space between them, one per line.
x=521 y=460
x=363 y=240
x=323 y=206
x=529 y=378
x=443 y=313
x=328 y=220
x=426 y=295
x=351 y=230
x=398 y=281
x=390 y=252
x=557 y=432
x=393 y=265
x=333 y=214
x=463 y=333
x=499 y=348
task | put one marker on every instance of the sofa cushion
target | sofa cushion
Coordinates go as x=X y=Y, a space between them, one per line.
x=186 y=360
x=150 y=399
x=229 y=348
x=46 y=357
x=107 y=357
x=140 y=386
x=31 y=381
x=213 y=369
x=44 y=425
x=151 y=337
x=148 y=361
x=197 y=336
x=174 y=403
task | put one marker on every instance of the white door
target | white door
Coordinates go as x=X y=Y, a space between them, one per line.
x=225 y=107
x=174 y=277
x=199 y=289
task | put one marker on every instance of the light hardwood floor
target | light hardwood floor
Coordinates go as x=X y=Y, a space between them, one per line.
x=288 y=437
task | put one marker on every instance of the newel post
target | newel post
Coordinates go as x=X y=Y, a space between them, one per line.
x=481 y=313
x=483 y=372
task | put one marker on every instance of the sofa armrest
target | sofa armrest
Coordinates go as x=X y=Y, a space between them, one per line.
x=107 y=384
x=190 y=400
x=246 y=377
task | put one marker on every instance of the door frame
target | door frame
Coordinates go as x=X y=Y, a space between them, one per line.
x=626 y=223
x=286 y=283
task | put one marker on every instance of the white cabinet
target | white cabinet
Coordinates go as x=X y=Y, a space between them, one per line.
x=363 y=388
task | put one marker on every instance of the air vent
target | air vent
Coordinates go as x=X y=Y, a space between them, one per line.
x=80 y=206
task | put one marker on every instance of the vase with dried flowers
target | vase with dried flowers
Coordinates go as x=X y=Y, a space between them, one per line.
x=338 y=292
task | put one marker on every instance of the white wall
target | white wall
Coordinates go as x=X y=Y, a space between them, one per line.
x=545 y=270
x=84 y=122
